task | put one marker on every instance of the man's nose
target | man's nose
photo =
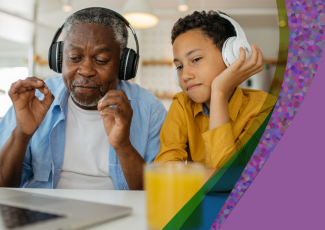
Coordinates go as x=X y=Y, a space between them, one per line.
x=87 y=68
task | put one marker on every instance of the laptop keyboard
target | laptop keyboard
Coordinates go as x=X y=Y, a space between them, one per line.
x=17 y=217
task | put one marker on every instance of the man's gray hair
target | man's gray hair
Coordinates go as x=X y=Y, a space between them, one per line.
x=100 y=17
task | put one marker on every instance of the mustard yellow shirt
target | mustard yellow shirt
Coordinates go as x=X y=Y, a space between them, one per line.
x=185 y=133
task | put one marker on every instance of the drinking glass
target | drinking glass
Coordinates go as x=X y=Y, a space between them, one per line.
x=168 y=188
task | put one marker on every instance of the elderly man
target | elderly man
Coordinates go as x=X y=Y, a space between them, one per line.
x=85 y=129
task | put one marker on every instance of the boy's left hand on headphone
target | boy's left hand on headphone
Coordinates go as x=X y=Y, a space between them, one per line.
x=117 y=120
x=239 y=71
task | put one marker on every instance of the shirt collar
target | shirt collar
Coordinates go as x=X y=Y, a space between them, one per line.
x=198 y=108
x=234 y=105
x=61 y=98
x=205 y=110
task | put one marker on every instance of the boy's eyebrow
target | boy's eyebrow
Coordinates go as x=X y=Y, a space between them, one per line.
x=188 y=54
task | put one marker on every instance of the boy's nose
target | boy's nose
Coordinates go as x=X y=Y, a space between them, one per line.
x=187 y=75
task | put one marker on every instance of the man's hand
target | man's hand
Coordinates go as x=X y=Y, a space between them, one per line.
x=30 y=111
x=117 y=121
x=238 y=72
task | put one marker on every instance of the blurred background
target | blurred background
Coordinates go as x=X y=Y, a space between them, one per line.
x=28 y=26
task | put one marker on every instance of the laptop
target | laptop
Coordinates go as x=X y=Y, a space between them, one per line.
x=25 y=211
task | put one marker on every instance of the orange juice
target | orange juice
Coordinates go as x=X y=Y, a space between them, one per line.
x=168 y=188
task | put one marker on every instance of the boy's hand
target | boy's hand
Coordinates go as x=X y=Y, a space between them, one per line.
x=238 y=72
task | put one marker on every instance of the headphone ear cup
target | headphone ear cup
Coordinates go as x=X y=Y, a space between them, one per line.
x=60 y=57
x=122 y=64
x=131 y=62
x=244 y=44
x=227 y=51
x=175 y=76
x=52 y=57
x=55 y=57
x=128 y=64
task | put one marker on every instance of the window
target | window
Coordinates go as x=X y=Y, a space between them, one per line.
x=7 y=77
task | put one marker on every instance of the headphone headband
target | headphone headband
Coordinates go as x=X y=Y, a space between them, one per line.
x=129 y=58
x=59 y=31
x=240 y=34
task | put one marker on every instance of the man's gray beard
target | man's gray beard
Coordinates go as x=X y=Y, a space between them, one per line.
x=86 y=81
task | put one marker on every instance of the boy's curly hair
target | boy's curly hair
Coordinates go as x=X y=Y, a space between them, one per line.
x=212 y=25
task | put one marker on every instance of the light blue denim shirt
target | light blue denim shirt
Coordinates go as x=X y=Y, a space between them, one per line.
x=44 y=154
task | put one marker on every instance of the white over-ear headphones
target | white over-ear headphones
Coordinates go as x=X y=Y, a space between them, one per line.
x=230 y=48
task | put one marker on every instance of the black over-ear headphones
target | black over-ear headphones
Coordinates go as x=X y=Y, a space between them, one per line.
x=129 y=59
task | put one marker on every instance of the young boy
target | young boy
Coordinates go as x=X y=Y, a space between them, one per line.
x=212 y=115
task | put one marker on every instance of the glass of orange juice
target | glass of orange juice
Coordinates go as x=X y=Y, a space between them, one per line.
x=168 y=188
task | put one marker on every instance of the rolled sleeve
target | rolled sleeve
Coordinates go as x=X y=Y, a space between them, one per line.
x=27 y=170
x=7 y=125
x=218 y=142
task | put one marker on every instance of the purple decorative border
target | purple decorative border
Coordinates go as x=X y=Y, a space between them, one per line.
x=306 y=22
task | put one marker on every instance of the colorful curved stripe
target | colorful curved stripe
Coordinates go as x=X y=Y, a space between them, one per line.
x=306 y=24
x=305 y=47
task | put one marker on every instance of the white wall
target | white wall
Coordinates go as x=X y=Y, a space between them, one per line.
x=266 y=38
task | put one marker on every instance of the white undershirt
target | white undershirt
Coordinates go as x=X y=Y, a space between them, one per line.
x=85 y=162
